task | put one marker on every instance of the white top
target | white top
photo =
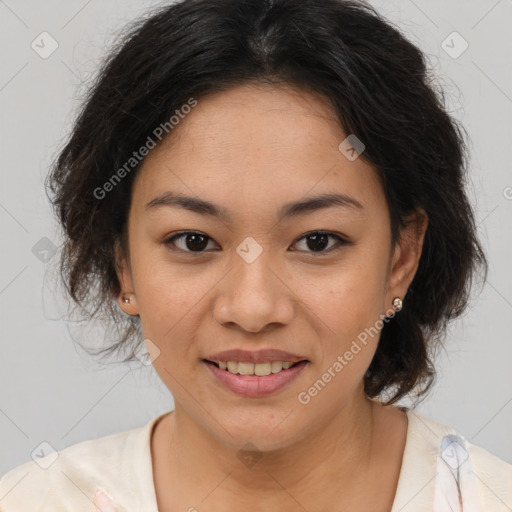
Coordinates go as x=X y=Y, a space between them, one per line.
x=441 y=472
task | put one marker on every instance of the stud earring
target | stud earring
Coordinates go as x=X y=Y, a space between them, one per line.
x=126 y=301
x=397 y=303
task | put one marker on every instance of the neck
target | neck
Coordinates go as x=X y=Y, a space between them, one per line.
x=335 y=456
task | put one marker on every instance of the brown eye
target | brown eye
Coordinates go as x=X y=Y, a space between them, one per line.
x=194 y=242
x=317 y=241
x=190 y=241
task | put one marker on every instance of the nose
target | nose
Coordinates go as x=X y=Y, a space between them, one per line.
x=254 y=296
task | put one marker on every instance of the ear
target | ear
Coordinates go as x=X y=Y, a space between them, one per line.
x=406 y=256
x=124 y=276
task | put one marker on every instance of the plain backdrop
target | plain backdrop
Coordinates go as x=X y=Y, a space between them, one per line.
x=52 y=391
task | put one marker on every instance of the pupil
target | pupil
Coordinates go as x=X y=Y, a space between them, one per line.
x=323 y=241
x=194 y=238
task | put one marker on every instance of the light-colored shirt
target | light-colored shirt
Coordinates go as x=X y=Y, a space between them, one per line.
x=440 y=472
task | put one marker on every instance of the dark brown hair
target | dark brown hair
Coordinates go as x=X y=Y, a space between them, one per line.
x=382 y=91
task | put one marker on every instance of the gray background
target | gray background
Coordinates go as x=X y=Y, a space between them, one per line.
x=50 y=390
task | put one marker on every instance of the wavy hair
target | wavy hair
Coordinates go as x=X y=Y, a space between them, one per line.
x=382 y=91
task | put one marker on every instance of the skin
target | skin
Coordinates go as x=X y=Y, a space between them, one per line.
x=252 y=149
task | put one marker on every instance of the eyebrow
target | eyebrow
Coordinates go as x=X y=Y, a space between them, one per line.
x=288 y=210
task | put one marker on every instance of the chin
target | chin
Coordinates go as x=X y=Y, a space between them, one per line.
x=257 y=430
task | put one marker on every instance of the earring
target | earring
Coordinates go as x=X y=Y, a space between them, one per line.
x=126 y=301
x=397 y=303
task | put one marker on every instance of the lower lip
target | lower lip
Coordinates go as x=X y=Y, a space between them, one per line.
x=254 y=386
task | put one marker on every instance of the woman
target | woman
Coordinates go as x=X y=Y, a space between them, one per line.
x=271 y=196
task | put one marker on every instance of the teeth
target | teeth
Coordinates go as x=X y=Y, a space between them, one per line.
x=232 y=367
x=259 y=369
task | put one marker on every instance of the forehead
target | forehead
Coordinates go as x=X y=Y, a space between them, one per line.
x=255 y=145
x=255 y=116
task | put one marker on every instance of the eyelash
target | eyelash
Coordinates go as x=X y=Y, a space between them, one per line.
x=341 y=241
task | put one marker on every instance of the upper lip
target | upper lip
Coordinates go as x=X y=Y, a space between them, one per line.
x=255 y=356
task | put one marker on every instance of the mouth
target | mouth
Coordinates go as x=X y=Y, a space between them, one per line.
x=254 y=369
x=255 y=380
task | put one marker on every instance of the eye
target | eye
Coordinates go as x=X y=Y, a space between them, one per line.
x=195 y=242
x=318 y=240
x=191 y=241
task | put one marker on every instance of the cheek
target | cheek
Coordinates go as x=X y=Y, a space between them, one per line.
x=349 y=307
x=165 y=289
x=350 y=296
x=171 y=301
x=347 y=341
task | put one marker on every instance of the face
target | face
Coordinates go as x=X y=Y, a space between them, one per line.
x=248 y=271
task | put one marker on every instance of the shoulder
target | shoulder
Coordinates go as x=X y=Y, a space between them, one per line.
x=440 y=467
x=69 y=479
x=441 y=438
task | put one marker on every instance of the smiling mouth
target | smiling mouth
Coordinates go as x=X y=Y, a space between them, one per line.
x=254 y=369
